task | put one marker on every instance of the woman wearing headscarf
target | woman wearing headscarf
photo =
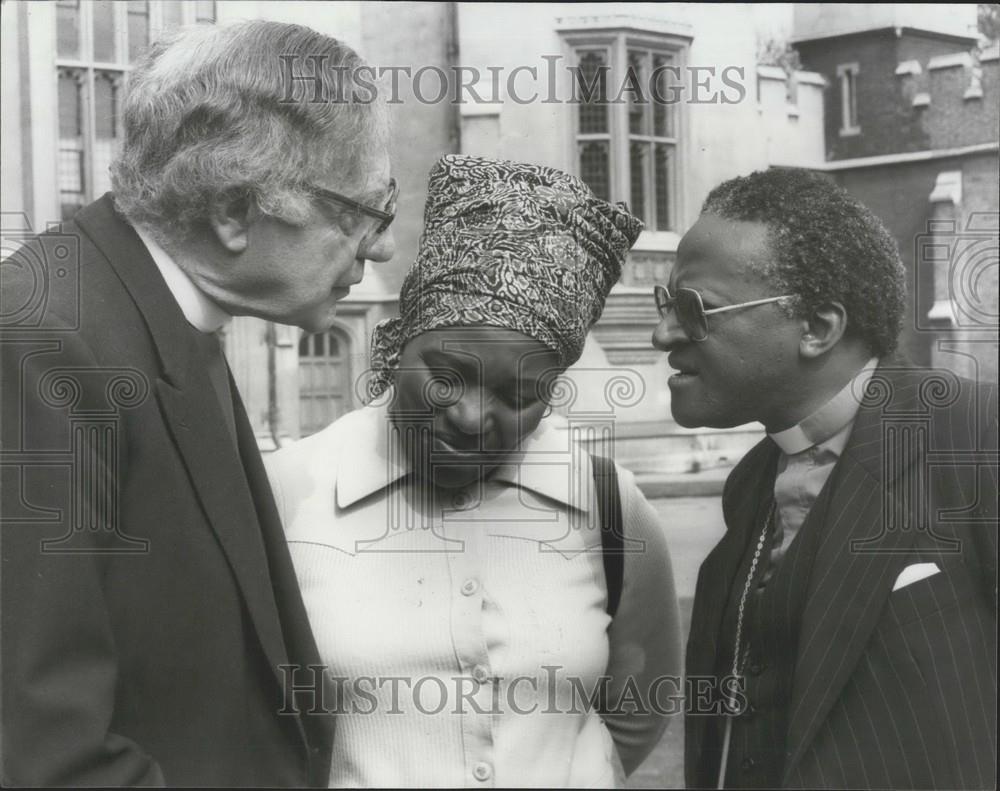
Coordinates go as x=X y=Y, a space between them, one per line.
x=448 y=537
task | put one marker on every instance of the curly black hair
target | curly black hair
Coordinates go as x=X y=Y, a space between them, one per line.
x=826 y=247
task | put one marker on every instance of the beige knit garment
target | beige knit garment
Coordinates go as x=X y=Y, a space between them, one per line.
x=465 y=634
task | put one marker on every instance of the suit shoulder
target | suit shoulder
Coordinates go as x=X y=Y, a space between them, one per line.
x=638 y=513
x=960 y=411
x=41 y=278
x=60 y=280
x=965 y=415
x=749 y=467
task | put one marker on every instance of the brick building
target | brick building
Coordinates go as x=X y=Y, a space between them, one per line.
x=912 y=121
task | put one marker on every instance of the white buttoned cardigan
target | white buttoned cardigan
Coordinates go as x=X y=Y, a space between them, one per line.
x=465 y=631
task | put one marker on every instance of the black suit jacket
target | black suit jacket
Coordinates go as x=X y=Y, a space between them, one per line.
x=891 y=689
x=149 y=601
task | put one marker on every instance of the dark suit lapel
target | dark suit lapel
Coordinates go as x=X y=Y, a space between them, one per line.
x=198 y=427
x=301 y=644
x=866 y=533
x=192 y=412
x=749 y=483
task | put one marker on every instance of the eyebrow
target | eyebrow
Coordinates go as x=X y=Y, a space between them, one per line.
x=370 y=197
x=710 y=294
x=373 y=195
x=464 y=362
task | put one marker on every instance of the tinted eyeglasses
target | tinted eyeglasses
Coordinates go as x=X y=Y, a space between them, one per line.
x=385 y=215
x=686 y=304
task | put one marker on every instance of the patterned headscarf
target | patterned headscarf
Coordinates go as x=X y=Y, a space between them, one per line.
x=523 y=247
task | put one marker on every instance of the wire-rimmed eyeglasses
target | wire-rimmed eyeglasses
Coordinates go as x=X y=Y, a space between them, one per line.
x=687 y=305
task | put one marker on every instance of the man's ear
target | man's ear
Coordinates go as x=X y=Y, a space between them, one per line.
x=823 y=329
x=231 y=216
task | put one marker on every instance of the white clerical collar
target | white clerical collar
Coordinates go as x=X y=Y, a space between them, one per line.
x=201 y=312
x=830 y=419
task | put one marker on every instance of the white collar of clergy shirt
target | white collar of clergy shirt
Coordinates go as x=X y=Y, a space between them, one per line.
x=201 y=312
x=829 y=420
x=542 y=465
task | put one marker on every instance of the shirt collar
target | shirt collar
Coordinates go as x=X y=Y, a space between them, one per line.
x=201 y=312
x=830 y=420
x=548 y=447
x=375 y=466
x=547 y=465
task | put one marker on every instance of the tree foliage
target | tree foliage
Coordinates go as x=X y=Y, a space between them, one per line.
x=776 y=52
x=989 y=21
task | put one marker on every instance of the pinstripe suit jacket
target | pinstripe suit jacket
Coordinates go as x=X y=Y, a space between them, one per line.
x=892 y=689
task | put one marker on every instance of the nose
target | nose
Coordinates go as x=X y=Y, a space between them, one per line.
x=472 y=413
x=382 y=247
x=668 y=334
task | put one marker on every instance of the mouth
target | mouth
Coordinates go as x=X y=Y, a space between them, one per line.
x=685 y=374
x=680 y=380
x=473 y=449
x=682 y=368
x=456 y=447
x=345 y=289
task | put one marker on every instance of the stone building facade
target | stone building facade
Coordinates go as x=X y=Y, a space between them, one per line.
x=924 y=148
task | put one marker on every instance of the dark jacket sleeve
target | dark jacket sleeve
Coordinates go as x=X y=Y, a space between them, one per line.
x=59 y=665
x=985 y=538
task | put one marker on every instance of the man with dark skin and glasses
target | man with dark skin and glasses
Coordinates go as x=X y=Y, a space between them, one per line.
x=153 y=629
x=853 y=596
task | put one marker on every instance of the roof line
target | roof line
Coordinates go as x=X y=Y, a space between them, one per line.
x=894 y=159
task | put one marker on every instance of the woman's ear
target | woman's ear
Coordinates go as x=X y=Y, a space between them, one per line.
x=231 y=216
x=823 y=329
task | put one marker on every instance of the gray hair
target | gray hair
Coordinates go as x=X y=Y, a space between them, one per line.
x=235 y=111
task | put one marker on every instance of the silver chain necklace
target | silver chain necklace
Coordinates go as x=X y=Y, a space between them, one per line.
x=768 y=526
x=738 y=661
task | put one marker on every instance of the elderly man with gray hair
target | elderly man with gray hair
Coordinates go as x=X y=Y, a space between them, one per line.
x=153 y=630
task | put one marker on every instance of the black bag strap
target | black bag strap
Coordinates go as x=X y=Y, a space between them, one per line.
x=609 y=508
